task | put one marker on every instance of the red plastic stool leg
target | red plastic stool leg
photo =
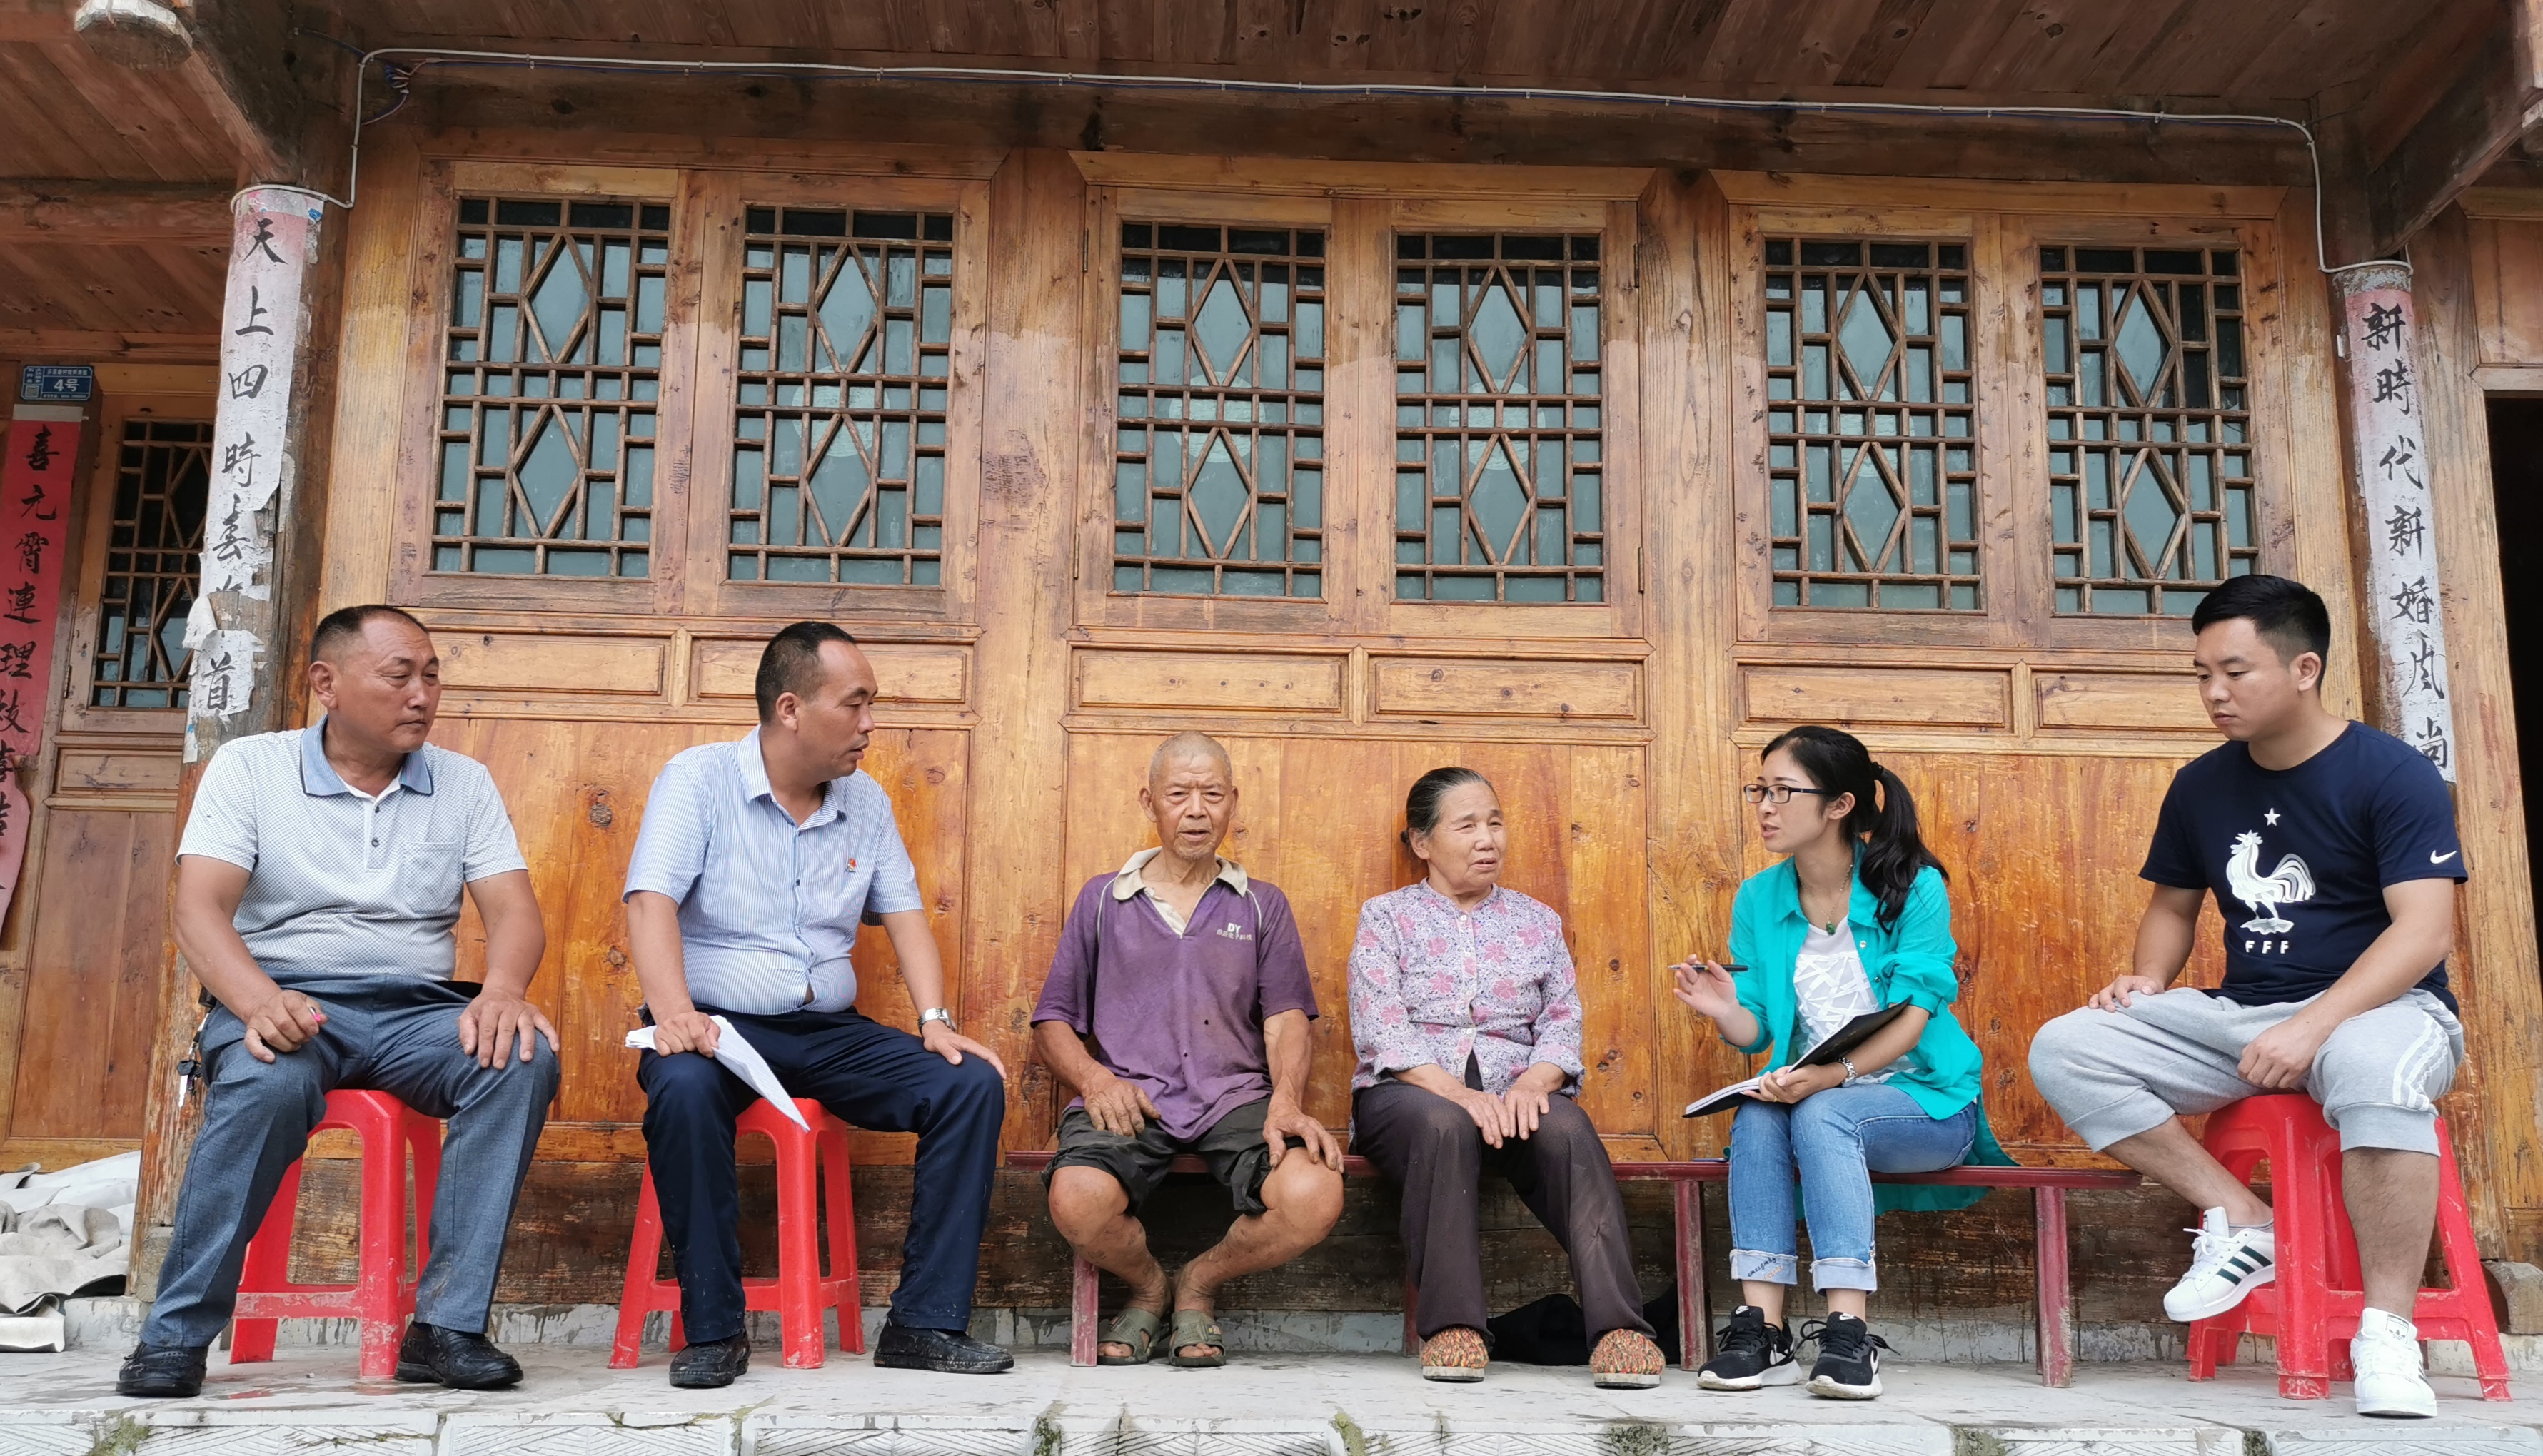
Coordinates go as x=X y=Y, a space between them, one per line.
x=798 y=1249
x=636 y=1296
x=382 y=1275
x=2464 y=1272
x=840 y=1197
x=2304 y=1209
x=267 y=1266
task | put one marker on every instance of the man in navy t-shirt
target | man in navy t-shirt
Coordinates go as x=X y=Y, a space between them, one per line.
x=2331 y=850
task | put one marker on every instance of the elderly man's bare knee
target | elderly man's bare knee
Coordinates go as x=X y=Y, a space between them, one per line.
x=1304 y=1193
x=1084 y=1202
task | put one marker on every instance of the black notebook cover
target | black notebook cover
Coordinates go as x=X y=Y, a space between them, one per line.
x=1835 y=1048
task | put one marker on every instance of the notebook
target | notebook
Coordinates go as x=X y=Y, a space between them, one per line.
x=1835 y=1048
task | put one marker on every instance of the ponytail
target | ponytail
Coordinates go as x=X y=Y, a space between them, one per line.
x=1883 y=818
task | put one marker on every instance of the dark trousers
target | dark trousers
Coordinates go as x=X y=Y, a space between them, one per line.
x=386 y=1032
x=1435 y=1153
x=866 y=1073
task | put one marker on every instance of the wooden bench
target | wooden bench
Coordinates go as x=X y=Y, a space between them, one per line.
x=2054 y=1314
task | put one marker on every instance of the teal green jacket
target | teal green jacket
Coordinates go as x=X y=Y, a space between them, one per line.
x=1910 y=961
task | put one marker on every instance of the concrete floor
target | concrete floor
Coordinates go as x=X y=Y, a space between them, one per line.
x=573 y=1404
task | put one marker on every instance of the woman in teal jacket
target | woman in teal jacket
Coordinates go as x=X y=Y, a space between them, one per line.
x=1855 y=919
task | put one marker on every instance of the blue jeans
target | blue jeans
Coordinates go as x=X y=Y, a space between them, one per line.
x=1837 y=1139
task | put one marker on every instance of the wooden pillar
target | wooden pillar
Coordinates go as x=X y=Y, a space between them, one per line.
x=246 y=603
x=2388 y=459
x=2496 y=1107
x=1029 y=471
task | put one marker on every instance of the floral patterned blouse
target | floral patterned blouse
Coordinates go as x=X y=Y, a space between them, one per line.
x=1430 y=983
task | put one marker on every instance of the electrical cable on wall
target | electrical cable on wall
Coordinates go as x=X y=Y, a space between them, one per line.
x=400 y=77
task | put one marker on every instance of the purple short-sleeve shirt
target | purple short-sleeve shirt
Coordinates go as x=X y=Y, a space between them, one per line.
x=1180 y=1015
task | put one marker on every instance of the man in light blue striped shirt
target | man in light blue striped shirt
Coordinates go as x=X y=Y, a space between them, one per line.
x=756 y=862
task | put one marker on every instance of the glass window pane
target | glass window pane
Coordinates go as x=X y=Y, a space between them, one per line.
x=1510 y=332
x=1222 y=328
x=2148 y=351
x=572 y=309
x=1857 y=522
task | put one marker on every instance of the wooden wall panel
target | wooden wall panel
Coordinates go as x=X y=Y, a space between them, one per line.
x=1272 y=681
x=1431 y=687
x=1318 y=818
x=93 y=980
x=2044 y=853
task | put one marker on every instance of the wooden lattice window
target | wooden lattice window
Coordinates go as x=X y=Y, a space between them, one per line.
x=1872 y=449
x=838 y=451
x=1498 y=417
x=553 y=354
x=1218 y=446
x=2151 y=493
x=154 y=547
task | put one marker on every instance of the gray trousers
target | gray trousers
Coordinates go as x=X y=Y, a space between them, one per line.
x=391 y=1034
x=2114 y=1074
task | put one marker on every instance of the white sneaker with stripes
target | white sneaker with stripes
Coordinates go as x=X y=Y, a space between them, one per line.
x=2225 y=1263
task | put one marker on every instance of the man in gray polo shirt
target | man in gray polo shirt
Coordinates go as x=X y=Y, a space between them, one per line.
x=317 y=884
x=1188 y=978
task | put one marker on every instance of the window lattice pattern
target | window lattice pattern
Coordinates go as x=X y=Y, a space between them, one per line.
x=838 y=452
x=1218 y=463
x=153 y=548
x=2150 y=482
x=1497 y=420
x=1872 y=425
x=553 y=349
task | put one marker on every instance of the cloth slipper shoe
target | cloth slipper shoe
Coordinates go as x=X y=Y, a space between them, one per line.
x=1456 y=1353
x=1137 y=1328
x=1196 y=1327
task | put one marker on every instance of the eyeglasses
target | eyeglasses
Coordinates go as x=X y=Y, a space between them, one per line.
x=1779 y=793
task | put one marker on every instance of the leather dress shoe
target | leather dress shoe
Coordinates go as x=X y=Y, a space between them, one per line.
x=712 y=1365
x=430 y=1354
x=946 y=1351
x=162 y=1371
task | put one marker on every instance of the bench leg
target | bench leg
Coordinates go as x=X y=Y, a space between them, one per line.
x=1081 y=1313
x=2057 y=1328
x=1694 y=1290
x=1412 y=1319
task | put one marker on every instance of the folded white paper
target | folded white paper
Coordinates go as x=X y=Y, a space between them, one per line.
x=744 y=1061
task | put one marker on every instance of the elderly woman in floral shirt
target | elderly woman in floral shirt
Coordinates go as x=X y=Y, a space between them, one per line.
x=1467 y=1019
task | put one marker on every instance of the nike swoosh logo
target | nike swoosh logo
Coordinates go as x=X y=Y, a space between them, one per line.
x=2436 y=858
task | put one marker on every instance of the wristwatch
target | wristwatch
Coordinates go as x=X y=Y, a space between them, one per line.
x=1846 y=1062
x=936 y=1014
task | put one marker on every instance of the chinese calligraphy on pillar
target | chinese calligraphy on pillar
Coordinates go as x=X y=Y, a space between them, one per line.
x=34 y=532
x=2387 y=441
x=273 y=239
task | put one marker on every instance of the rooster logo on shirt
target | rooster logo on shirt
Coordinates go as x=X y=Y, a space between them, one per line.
x=2290 y=883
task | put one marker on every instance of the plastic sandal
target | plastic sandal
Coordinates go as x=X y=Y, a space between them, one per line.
x=1196 y=1327
x=1137 y=1328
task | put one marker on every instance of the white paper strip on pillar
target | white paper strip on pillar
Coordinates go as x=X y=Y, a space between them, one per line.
x=2404 y=611
x=273 y=239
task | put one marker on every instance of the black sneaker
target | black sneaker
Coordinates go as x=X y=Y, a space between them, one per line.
x=710 y=1366
x=162 y=1372
x=1753 y=1353
x=1849 y=1362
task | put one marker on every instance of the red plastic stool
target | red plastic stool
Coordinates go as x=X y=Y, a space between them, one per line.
x=381 y=1296
x=2314 y=1306
x=801 y=1291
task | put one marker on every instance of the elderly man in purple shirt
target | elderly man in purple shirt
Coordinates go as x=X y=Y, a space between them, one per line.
x=1191 y=983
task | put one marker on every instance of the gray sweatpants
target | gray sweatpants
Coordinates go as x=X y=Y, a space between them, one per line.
x=2114 y=1074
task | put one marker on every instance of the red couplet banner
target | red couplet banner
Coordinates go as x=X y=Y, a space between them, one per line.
x=35 y=536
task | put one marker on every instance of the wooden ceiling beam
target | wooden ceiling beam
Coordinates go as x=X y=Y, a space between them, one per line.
x=51 y=210
x=2479 y=117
